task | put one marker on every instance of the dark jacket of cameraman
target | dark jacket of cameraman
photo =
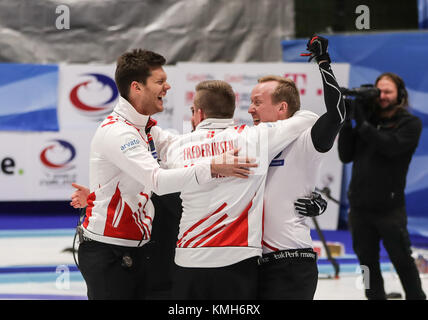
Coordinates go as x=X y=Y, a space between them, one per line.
x=381 y=150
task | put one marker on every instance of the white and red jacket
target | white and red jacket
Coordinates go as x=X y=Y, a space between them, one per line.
x=123 y=173
x=222 y=220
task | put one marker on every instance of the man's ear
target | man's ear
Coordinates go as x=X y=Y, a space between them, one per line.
x=201 y=114
x=136 y=86
x=283 y=109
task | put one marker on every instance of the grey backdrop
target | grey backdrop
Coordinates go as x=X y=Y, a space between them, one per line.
x=181 y=30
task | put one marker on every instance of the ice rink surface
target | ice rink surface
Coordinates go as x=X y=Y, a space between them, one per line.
x=37 y=264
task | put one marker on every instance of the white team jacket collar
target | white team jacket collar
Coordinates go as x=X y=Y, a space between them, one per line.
x=214 y=123
x=127 y=111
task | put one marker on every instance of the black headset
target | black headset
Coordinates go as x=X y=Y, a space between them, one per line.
x=401 y=90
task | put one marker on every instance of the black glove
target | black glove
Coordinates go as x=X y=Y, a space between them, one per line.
x=310 y=206
x=317 y=46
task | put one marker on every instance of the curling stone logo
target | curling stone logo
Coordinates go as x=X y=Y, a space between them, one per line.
x=58 y=155
x=58 y=158
x=95 y=97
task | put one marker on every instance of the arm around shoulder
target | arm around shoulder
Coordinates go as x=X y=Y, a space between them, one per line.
x=128 y=151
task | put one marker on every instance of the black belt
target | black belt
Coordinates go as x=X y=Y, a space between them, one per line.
x=289 y=254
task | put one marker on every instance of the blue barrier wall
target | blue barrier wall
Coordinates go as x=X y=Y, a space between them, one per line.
x=29 y=95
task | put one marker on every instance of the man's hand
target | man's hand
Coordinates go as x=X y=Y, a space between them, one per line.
x=79 y=197
x=229 y=164
x=310 y=206
x=318 y=48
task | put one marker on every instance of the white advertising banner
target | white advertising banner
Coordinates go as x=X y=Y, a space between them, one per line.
x=16 y=166
x=87 y=93
x=41 y=166
x=243 y=77
x=44 y=164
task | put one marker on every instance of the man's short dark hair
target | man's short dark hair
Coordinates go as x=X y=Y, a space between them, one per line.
x=135 y=65
x=216 y=98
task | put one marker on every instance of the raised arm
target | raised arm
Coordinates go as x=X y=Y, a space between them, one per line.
x=325 y=130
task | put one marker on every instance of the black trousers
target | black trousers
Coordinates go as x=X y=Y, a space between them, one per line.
x=114 y=272
x=235 y=282
x=163 y=242
x=367 y=230
x=288 y=279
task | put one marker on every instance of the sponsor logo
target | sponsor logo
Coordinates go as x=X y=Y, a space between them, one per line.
x=130 y=145
x=198 y=77
x=8 y=166
x=59 y=154
x=95 y=97
x=277 y=162
x=57 y=158
x=245 y=79
x=301 y=81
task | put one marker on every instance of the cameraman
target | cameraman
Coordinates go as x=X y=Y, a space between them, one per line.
x=381 y=146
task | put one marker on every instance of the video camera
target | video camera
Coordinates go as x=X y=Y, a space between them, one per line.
x=362 y=97
x=364 y=92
